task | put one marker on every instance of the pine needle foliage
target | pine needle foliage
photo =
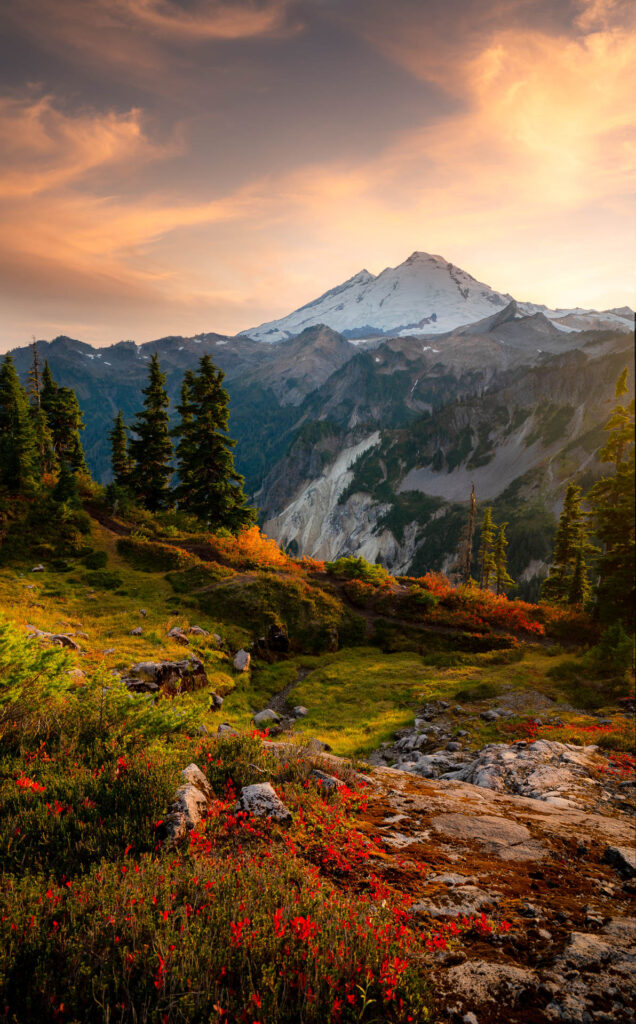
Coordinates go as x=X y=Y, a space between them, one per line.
x=151 y=448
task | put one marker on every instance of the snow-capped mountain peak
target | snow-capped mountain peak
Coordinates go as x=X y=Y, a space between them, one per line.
x=424 y=292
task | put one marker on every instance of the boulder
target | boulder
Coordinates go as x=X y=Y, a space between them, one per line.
x=59 y=639
x=142 y=611
x=137 y=631
x=489 y=716
x=178 y=635
x=37 y=568
x=198 y=631
x=225 y=729
x=300 y=711
x=262 y=801
x=265 y=716
x=190 y=803
x=77 y=676
x=623 y=858
x=216 y=702
x=170 y=676
x=324 y=780
x=241 y=661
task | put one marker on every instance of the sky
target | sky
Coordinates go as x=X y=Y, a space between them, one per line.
x=179 y=166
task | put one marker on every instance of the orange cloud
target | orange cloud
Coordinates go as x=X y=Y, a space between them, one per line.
x=44 y=148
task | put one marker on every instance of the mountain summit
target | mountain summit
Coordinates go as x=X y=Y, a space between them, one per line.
x=426 y=293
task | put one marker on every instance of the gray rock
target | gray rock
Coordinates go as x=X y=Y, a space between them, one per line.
x=198 y=631
x=225 y=729
x=623 y=858
x=453 y=746
x=507 y=839
x=190 y=803
x=265 y=716
x=241 y=661
x=37 y=568
x=489 y=716
x=216 y=701
x=300 y=711
x=142 y=611
x=325 y=780
x=137 y=631
x=470 y=1018
x=317 y=746
x=261 y=801
x=178 y=635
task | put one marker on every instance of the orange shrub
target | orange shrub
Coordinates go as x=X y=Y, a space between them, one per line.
x=251 y=549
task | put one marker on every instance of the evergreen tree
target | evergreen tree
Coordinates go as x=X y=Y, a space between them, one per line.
x=487 y=566
x=580 y=588
x=186 y=444
x=119 y=458
x=18 y=452
x=210 y=486
x=465 y=546
x=151 y=447
x=66 y=491
x=613 y=512
x=570 y=540
x=503 y=579
x=64 y=419
x=41 y=430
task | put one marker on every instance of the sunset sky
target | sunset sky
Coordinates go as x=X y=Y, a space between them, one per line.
x=176 y=166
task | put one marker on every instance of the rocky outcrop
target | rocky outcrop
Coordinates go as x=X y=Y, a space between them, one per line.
x=170 y=677
x=462 y=850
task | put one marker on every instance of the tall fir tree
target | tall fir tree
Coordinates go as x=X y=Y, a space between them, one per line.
x=569 y=541
x=150 y=447
x=64 y=419
x=503 y=580
x=119 y=457
x=487 y=566
x=41 y=429
x=613 y=512
x=580 y=589
x=18 y=452
x=210 y=486
x=465 y=546
x=186 y=439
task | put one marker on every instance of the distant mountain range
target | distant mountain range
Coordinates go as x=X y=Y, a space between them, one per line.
x=360 y=433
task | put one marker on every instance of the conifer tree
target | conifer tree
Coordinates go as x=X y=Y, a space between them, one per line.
x=487 y=566
x=17 y=440
x=465 y=546
x=119 y=458
x=570 y=539
x=580 y=588
x=186 y=444
x=613 y=512
x=210 y=486
x=42 y=432
x=503 y=579
x=151 y=447
x=64 y=419
x=66 y=491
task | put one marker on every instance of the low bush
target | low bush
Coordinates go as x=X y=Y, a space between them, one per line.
x=153 y=556
x=350 y=568
x=102 y=579
x=95 y=560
